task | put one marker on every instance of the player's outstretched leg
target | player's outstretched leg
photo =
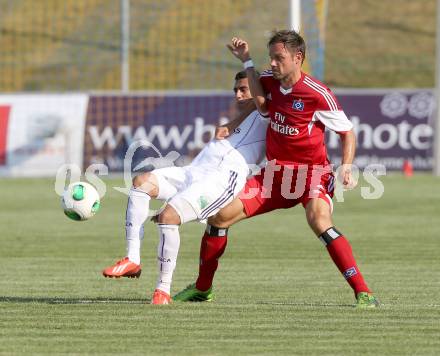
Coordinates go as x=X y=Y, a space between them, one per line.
x=137 y=212
x=212 y=247
x=319 y=218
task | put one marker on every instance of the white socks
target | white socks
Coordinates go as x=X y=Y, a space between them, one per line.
x=167 y=252
x=137 y=212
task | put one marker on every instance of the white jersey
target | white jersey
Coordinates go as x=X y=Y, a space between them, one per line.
x=217 y=174
x=245 y=147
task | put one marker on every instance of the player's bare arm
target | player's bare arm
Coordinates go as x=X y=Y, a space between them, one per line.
x=245 y=109
x=240 y=49
x=348 y=140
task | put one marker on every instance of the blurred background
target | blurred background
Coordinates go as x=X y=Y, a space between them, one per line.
x=80 y=80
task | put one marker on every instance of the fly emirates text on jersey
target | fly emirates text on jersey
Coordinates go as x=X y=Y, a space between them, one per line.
x=279 y=126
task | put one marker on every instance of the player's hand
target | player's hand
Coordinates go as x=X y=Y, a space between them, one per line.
x=221 y=132
x=347 y=177
x=239 y=48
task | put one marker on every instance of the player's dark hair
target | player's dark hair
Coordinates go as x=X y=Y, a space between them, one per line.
x=242 y=75
x=292 y=41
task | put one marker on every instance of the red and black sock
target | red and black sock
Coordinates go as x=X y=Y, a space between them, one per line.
x=342 y=255
x=212 y=247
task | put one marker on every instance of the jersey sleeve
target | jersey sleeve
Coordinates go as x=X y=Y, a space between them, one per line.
x=330 y=113
x=334 y=120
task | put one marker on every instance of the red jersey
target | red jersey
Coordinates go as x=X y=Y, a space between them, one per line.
x=298 y=118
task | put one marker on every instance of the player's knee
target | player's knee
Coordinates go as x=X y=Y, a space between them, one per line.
x=228 y=215
x=140 y=180
x=169 y=216
x=219 y=220
x=145 y=182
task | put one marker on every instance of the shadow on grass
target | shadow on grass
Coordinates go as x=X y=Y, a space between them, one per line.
x=60 y=300
x=104 y=300
x=304 y=304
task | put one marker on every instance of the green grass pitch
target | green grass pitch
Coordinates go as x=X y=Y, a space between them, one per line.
x=277 y=291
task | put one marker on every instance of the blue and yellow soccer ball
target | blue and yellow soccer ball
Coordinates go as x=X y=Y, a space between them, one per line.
x=80 y=201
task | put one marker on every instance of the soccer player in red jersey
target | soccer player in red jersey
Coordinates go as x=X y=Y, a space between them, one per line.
x=299 y=172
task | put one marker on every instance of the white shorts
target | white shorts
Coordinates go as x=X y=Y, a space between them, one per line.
x=196 y=193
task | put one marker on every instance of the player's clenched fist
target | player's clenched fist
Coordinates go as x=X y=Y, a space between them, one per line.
x=346 y=177
x=239 y=48
x=221 y=132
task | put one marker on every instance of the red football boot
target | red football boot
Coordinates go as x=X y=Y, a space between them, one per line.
x=123 y=268
x=160 y=297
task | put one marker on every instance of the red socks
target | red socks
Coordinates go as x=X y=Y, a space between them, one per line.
x=212 y=247
x=214 y=244
x=342 y=255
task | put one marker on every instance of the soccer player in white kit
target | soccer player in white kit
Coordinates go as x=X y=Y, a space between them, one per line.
x=194 y=192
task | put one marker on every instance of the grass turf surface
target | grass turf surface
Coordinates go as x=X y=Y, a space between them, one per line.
x=276 y=290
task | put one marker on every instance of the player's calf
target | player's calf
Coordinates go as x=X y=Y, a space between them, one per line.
x=167 y=252
x=341 y=253
x=212 y=247
x=318 y=214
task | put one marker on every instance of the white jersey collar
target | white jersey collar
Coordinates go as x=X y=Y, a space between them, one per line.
x=285 y=91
